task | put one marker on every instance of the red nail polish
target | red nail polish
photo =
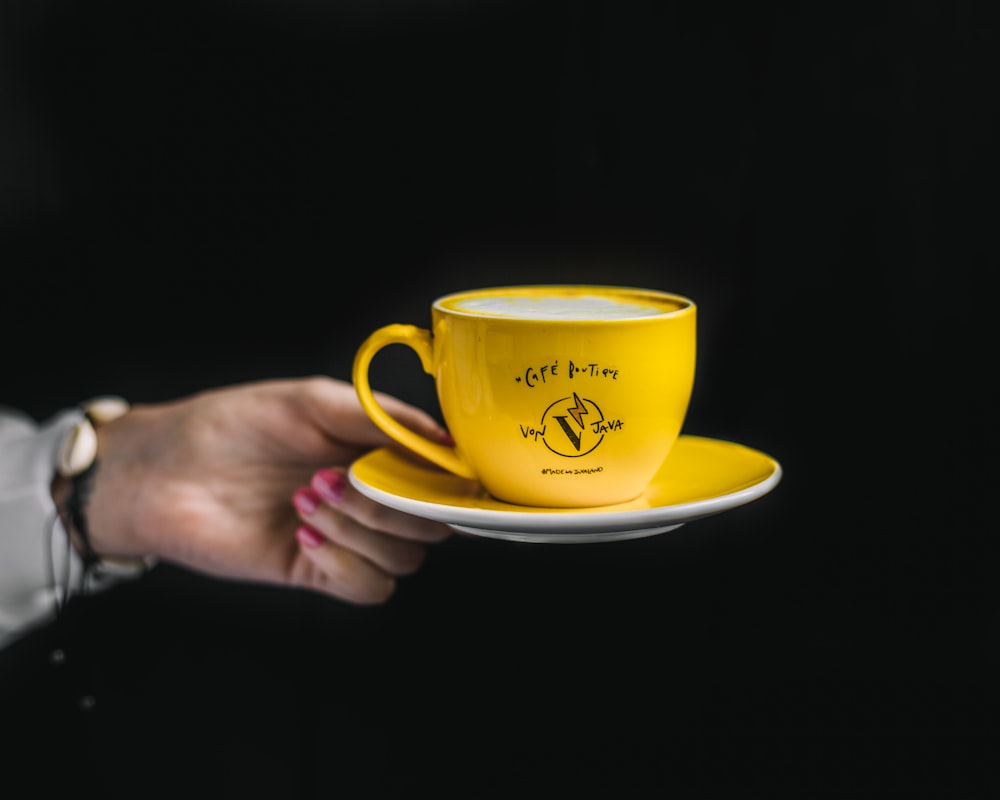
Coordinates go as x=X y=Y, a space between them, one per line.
x=308 y=537
x=305 y=500
x=329 y=484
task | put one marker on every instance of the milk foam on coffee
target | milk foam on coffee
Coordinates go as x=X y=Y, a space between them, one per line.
x=555 y=307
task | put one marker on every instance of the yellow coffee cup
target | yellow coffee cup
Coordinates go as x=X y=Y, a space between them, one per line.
x=556 y=395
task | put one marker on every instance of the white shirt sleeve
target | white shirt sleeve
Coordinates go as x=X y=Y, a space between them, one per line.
x=38 y=566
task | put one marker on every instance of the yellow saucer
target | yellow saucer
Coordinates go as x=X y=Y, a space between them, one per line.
x=701 y=477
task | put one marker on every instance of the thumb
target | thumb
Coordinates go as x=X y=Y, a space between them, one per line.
x=334 y=407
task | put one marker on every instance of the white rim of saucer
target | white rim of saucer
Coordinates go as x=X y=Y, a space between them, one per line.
x=573 y=521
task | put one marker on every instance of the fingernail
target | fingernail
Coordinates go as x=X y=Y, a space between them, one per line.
x=308 y=537
x=329 y=484
x=305 y=500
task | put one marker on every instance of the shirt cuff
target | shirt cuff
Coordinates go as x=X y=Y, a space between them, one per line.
x=39 y=568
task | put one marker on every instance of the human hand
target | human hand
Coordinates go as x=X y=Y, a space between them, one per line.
x=249 y=482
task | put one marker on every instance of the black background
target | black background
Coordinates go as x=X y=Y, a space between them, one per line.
x=214 y=192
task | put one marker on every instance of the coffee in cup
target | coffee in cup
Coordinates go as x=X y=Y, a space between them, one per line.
x=556 y=396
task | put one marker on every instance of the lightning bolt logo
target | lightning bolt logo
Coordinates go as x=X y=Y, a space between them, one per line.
x=578 y=410
x=574 y=436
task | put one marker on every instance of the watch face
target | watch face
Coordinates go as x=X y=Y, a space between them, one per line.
x=78 y=450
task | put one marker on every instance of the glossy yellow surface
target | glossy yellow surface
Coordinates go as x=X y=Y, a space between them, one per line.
x=698 y=469
x=551 y=412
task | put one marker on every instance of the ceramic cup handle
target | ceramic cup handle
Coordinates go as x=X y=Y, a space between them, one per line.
x=418 y=340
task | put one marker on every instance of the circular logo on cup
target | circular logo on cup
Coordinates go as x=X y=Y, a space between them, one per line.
x=573 y=426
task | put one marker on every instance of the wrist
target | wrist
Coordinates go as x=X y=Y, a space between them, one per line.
x=81 y=457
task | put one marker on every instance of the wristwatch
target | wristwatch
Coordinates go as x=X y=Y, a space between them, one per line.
x=76 y=463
